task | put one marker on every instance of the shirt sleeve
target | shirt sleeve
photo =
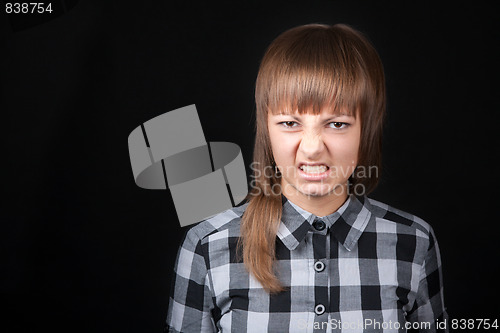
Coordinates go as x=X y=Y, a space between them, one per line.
x=191 y=301
x=428 y=310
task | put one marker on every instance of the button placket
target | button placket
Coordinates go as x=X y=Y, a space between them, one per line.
x=321 y=280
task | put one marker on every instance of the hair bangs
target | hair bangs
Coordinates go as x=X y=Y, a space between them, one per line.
x=312 y=93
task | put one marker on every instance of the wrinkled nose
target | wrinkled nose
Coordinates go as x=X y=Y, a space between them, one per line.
x=312 y=145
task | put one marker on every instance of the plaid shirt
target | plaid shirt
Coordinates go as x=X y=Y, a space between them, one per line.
x=365 y=268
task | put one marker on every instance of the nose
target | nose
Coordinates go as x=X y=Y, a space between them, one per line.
x=311 y=145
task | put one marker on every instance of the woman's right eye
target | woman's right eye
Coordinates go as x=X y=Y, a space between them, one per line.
x=289 y=124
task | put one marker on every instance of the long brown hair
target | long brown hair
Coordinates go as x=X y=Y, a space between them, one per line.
x=306 y=69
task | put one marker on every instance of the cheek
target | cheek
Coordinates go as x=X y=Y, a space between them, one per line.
x=345 y=151
x=284 y=149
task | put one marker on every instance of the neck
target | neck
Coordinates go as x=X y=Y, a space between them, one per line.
x=318 y=205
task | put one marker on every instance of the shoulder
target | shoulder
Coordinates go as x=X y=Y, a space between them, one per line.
x=388 y=218
x=225 y=224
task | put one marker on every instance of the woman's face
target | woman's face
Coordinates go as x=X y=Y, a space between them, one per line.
x=315 y=154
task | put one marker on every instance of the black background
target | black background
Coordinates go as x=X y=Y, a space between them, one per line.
x=83 y=249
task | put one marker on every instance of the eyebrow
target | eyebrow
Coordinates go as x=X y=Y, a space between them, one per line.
x=340 y=115
x=329 y=117
x=285 y=115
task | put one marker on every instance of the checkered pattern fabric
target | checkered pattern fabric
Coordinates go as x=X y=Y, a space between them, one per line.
x=365 y=268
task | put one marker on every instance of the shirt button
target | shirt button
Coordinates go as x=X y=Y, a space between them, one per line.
x=319 y=309
x=319 y=225
x=319 y=266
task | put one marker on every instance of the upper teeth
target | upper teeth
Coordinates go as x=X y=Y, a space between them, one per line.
x=314 y=168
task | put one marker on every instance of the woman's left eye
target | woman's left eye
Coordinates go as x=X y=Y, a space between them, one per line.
x=337 y=125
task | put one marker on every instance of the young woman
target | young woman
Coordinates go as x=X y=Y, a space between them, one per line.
x=309 y=252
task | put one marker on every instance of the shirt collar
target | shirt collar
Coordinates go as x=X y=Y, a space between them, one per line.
x=346 y=224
